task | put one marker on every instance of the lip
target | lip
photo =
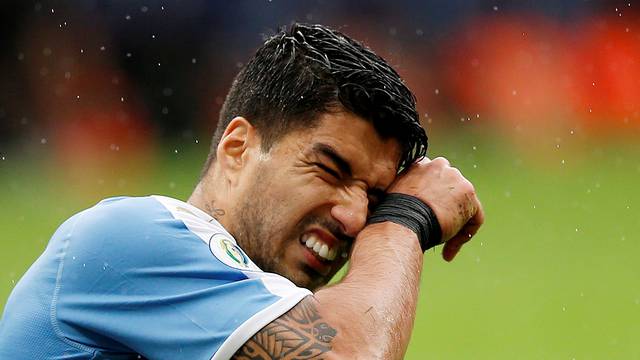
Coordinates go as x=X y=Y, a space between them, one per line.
x=321 y=267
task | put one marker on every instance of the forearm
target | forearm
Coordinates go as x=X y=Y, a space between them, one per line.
x=373 y=307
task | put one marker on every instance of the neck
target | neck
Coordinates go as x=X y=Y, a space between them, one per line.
x=206 y=198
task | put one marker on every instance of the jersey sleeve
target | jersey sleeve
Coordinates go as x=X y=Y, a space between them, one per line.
x=152 y=277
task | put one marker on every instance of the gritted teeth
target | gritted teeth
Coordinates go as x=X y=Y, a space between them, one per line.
x=319 y=247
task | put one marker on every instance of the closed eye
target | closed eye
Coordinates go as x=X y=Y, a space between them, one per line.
x=328 y=170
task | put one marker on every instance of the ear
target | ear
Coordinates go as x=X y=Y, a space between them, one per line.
x=236 y=147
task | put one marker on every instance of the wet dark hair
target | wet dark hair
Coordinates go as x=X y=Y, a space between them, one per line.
x=309 y=70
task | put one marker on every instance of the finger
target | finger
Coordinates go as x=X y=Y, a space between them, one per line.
x=453 y=246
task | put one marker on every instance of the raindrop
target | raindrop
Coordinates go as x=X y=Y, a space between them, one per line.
x=193 y=60
x=153 y=36
x=437 y=91
x=495 y=7
x=102 y=48
x=514 y=92
x=128 y=55
x=172 y=185
x=474 y=147
x=81 y=51
x=475 y=166
x=175 y=151
x=562 y=162
x=577 y=229
x=165 y=110
x=144 y=9
x=127 y=17
x=564 y=308
x=571 y=132
x=74 y=258
x=197 y=141
x=46 y=51
x=84 y=265
x=67 y=75
x=43 y=141
x=167 y=91
x=20 y=56
x=309 y=16
x=419 y=32
x=162 y=7
x=3 y=158
x=122 y=99
x=78 y=97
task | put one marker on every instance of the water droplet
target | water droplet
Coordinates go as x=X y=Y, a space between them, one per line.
x=495 y=7
x=514 y=92
x=127 y=17
x=197 y=141
x=144 y=9
x=564 y=308
x=165 y=110
x=193 y=60
x=562 y=162
x=153 y=36
x=437 y=91
x=102 y=48
x=84 y=265
x=175 y=151
x=43 y=141
x=121 y=99
x=74 y=258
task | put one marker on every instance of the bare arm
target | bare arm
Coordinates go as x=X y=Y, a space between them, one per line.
x=370 y=313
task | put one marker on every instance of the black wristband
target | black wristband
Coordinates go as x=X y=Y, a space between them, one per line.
x=412 y=213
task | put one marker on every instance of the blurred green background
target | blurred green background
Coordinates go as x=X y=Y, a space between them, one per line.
x=553 y=274
x=537 y=102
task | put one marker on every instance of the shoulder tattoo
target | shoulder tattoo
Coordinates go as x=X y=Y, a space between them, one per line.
x=301 y=333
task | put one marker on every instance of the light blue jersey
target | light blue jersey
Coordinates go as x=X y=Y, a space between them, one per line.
x=150 y=277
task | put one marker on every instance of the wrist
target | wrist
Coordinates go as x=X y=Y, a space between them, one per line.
x=392 y=233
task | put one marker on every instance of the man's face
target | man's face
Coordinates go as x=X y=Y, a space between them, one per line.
x=301 y=205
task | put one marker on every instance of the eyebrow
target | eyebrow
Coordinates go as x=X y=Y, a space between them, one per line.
x=342 y=164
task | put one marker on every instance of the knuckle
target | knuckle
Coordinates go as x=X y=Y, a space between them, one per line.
x=441 y=161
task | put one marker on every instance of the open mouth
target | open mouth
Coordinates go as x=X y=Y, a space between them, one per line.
x=319 y=248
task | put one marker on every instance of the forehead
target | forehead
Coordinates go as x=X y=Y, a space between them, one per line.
x=370 y=157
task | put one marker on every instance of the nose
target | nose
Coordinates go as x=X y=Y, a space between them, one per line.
x=351 y=211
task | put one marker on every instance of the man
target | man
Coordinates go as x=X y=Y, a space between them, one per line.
x=302 y=175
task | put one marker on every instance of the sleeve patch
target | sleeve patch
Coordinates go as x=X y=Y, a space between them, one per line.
x=226 y=250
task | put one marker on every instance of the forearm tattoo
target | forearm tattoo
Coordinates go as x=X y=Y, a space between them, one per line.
x=301 y=333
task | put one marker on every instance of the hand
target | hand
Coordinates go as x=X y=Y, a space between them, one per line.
x=451 y=197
